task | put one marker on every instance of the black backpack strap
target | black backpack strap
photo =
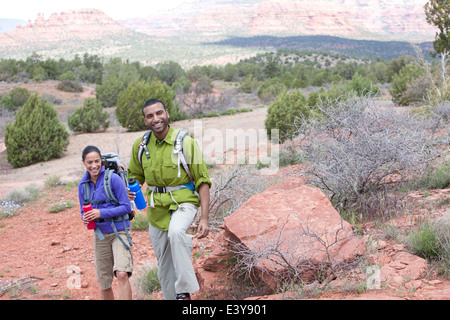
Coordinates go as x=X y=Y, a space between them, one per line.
x=87 y=191
x=143 y=146
x=107 y=187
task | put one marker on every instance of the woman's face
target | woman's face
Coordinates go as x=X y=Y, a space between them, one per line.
x=93 y=164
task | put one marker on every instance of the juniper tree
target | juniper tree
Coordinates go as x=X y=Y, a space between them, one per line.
x=132 y=99
x=90 y=117
x=35 y=135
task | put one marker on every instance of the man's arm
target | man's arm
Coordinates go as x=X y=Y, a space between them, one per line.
x=203 y=226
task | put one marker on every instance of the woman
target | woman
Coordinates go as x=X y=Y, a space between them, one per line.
x=111 y=256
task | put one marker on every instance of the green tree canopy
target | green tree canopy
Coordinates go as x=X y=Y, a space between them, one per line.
x=438 y=14
x=132 y=99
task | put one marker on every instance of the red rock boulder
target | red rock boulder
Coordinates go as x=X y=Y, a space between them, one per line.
x=291 y=232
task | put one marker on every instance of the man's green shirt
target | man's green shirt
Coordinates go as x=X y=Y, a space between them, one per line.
x=161 y=170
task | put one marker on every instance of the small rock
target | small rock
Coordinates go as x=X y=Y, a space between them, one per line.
x=55 y=243
x=414 y=284
x=381 y=244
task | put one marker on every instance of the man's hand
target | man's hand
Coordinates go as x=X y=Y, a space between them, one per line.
x=203 y=228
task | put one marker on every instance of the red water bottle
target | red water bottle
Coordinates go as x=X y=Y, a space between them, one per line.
x=86 y=208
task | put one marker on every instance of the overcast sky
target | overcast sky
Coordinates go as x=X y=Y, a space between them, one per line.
x=28 y=9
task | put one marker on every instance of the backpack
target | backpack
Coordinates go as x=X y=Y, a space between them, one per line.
x=113 y=165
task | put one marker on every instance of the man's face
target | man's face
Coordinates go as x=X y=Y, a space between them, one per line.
x=157 y=119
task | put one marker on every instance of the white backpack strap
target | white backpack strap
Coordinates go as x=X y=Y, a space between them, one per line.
x=178 y=150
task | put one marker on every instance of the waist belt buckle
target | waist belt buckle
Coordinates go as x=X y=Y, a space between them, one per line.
x=160 y=189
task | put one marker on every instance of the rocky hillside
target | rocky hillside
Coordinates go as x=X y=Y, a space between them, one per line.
x=363 y=19
x=77 y=30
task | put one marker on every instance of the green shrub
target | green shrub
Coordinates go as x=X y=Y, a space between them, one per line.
x=60 y=206
x=15 y=99
x=401 y=82
x=109 y=90
x=132 y=99
x=90 y=117
x=362 y=86
x=36 y=134
x=146 y=280
x=29 y=193
x=69 y=86
x=271 y=89
x=140 y=222
x=69 y=75
x=431 y=241
x=283 y=112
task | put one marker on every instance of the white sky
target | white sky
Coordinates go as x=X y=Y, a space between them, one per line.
x=29 y=9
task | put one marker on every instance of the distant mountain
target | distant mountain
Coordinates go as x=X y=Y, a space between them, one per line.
x=77 y=30
x=357 y=19
x=180 y=34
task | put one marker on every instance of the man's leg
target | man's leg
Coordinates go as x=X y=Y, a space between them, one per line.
x=181 y=248
x=166 y=272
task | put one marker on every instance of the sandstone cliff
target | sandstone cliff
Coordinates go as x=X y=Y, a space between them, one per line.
x=83 y=24
x=363 y=19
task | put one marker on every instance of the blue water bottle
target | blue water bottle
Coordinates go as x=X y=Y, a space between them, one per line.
x=135 y=187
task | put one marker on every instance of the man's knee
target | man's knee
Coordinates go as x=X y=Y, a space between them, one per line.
x=122 y=276
x=176 y=234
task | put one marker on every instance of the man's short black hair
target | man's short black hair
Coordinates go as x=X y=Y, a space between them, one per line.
x=150 y=102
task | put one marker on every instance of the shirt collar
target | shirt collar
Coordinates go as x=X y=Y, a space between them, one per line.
x=170 y=137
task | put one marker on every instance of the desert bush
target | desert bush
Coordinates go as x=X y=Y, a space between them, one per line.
x=250 y=84
x=68 y=75
x=60 y=206
x=402 y=81
x=90 y=117
x=15 y=99
x=14 y=200
x=132 y=99
x=431 y=240
x=35 y=135
x=69 y=86
x=146 y=281
x=140 y=222
x=352 y=148
x=283 y=112
x=109 y=90
x=170 y=71
x=231 y=188
x=362 y=86
x=270 y=89
x=22 y=196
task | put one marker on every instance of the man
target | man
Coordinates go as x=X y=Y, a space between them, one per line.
x=171 y=212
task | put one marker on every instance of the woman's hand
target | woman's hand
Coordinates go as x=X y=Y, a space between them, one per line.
x=91 y=215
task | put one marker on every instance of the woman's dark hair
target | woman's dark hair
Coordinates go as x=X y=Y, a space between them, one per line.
x=150 y=102
x=90 y=149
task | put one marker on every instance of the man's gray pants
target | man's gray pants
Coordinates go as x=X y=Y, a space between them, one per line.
x=173 y=249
